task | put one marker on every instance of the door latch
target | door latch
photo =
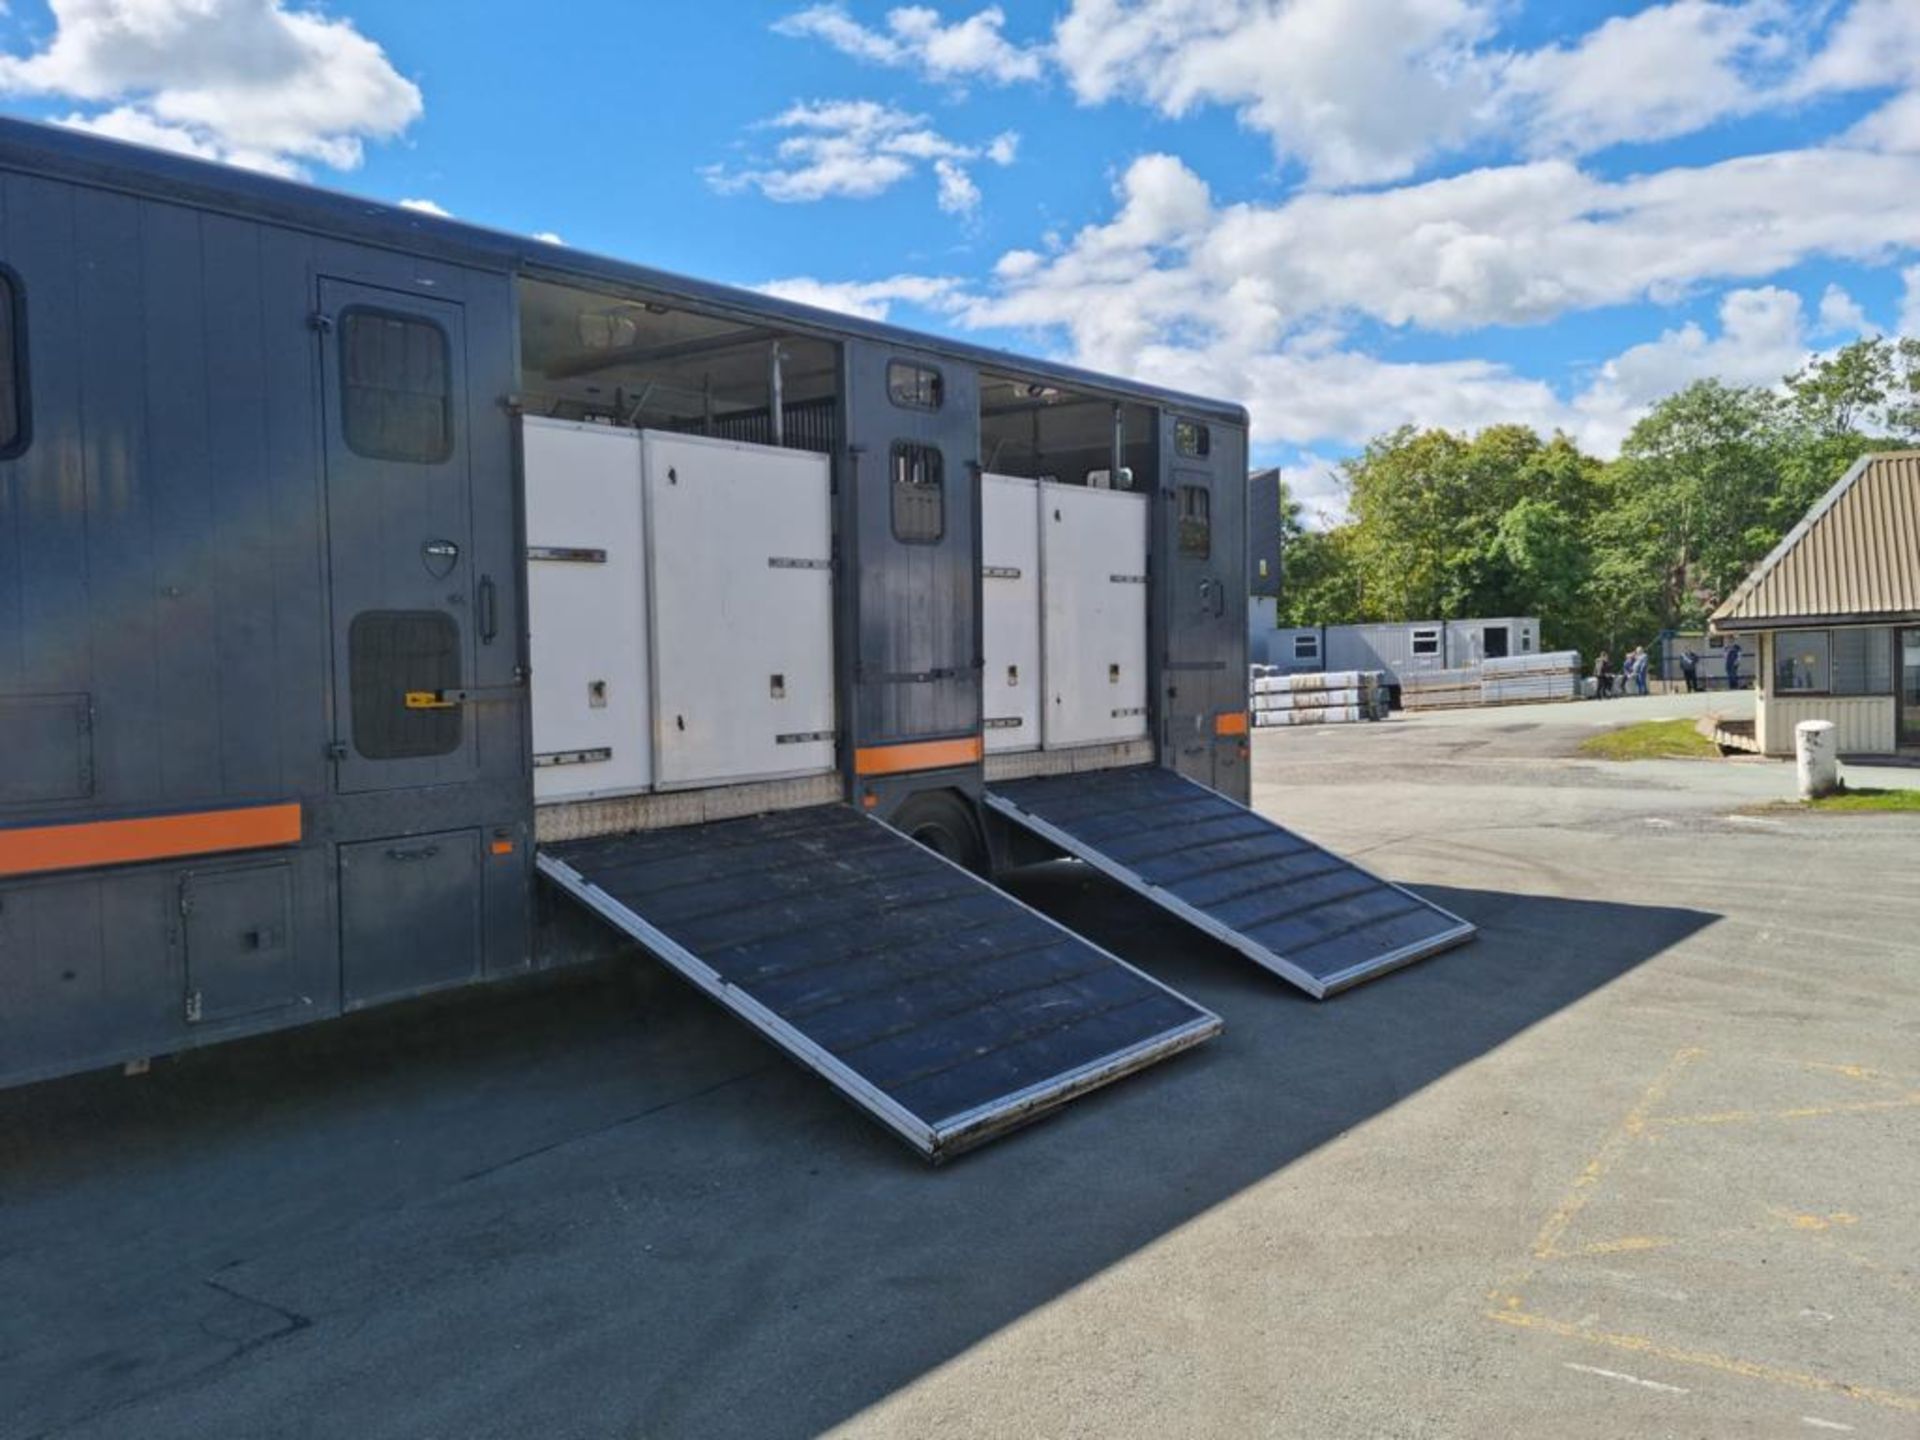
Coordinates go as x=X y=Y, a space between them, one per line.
x=475 y=695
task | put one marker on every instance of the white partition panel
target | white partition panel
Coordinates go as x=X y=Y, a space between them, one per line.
x=586 y=602
x=1010 y=581
x=1094 y=614
x=741 y=587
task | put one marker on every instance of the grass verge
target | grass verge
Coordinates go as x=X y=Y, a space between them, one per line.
x=1651 y=740
x=1866 y=800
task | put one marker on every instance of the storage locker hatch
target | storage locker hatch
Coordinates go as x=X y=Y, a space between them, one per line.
x=1094 y=619
x=586 y=601
x=741 y=610
x=1010 y=611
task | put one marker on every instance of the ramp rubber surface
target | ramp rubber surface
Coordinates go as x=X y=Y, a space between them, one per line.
x=945 y=1007
x=1297 y=909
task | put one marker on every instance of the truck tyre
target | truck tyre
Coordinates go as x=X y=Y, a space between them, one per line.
x=944 y=822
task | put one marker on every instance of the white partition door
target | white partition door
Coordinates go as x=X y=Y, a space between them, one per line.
x=1094 y=614
x=1010 y=611
x=741 y=586
x=586 y=602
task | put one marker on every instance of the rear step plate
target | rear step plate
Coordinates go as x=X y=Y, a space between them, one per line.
x=945 y=1007
x=1301 y=911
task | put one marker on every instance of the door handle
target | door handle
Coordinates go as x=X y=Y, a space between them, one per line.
x=489 y=611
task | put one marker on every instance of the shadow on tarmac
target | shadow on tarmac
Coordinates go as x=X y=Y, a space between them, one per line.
x=596 y=1205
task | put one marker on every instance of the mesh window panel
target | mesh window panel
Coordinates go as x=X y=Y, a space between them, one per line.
x=1196 y=521
x=389 y=653
x=919 y=494
x=396 y=387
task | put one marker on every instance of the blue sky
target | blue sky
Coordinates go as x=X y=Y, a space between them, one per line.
x=1348 y=214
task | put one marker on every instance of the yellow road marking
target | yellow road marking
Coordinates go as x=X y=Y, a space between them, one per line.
x=1546 y=1245
x=1798 y=1112
x=1706 y=1359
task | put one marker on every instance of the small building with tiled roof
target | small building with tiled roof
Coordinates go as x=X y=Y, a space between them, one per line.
x=1834 y=611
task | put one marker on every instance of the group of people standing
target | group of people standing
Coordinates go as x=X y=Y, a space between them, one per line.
x=1631 y=677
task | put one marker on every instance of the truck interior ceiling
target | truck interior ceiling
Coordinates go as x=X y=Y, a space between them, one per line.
x=633 y=359
x=1042 y=431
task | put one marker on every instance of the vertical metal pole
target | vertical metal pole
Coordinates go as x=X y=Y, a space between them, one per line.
x=1119 y=448
x=776 y=401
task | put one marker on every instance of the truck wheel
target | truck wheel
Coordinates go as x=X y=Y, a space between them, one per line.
x=944 y=822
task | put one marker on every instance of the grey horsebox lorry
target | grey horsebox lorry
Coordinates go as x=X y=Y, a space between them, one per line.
x=383 y=598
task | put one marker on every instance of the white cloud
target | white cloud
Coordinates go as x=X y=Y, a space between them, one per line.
x=427 y=207
x=870 y=300
x=1512 y=245
x=915 y=37
x=250 y=82
x=1763 y=337
x=1910 y=301
x=1873 y=45
x=1840 y=314
x=857 y=149
x=1664 y=71
x=958 y=194
x=1358 y=90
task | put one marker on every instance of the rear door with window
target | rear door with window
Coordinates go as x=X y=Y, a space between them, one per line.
x=1200 y=561
x=399 y=518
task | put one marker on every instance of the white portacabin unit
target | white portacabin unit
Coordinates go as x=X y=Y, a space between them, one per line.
x=1012 y=683
x=586 y=602
x=740 y=590
x=1093 y=563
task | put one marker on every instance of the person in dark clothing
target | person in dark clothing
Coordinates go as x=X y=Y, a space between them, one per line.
x=1602 y=676
x=1733 y=665
x=1690 y=670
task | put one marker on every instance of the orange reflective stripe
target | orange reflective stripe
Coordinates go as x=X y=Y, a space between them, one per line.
x=920 y=755
x=39 y=848
x=1234 y=724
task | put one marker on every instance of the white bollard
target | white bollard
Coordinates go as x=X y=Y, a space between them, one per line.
x=1816 y=761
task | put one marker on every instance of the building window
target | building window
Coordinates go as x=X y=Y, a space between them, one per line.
x=1306 y=647
x=14 y=431
x=1196 y=521
x=1426 y=642
x=916 y=387
x=1192 y=439
x=1802 y=662
x=1862 y=661
x=919 y=494
x=396 y=387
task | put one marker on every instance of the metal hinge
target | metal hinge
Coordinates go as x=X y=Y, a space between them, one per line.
x=321 y=321
x=336 y=750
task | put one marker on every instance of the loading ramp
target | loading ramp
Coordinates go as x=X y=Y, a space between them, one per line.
x=1294 y=907
x=943 y=1006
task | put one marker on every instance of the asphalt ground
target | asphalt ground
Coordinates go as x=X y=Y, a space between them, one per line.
x=1640 y=1161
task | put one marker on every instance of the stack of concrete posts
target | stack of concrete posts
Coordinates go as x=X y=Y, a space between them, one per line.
x=1527 y=679
x=1334 y=698
x=1440 y=690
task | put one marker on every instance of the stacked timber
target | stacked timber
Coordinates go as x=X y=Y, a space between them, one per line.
x=1528 y=679
x=1336 y=698
x=1440 y=689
